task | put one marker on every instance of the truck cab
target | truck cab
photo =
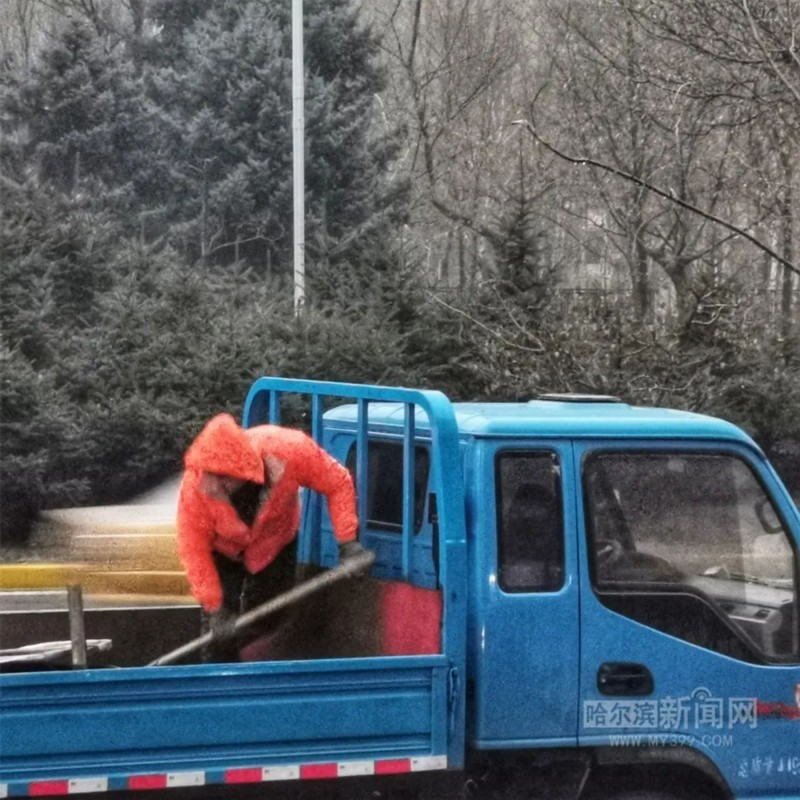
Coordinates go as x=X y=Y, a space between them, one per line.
x=632 y=588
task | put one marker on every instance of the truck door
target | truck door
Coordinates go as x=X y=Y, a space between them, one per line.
x=689 y=619
x=524 y=635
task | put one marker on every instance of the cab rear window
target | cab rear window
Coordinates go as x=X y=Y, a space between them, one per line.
x=385 y=484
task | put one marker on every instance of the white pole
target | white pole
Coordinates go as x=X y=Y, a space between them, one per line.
x=298 y=153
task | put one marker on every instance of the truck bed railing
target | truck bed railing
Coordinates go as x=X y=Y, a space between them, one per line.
x=263 y=404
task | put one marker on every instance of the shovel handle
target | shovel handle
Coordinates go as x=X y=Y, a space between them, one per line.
x=356 y=565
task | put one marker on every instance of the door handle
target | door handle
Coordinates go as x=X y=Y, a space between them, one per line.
x=623 y=678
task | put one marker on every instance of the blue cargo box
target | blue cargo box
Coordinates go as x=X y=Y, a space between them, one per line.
x=162 y=726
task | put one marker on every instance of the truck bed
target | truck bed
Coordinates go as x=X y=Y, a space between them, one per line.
x=313 y=698
x=192 y=725
x=373 y=684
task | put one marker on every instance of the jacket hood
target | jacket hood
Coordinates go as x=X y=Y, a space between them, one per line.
x=222 y=447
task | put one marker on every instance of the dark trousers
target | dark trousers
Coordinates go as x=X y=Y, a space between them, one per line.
x=242 y=592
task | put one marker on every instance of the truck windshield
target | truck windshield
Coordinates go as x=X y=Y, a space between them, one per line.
x=699 y=524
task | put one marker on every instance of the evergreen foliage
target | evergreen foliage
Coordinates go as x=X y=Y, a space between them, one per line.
x=226 y=102
x=146 y=235
x=81 y=120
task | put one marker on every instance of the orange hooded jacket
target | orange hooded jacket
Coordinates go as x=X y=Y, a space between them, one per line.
x=289 y=459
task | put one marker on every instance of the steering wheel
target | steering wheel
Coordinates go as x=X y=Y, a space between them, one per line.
x=650 y=568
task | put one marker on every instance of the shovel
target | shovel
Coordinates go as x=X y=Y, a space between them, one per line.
x=357 y=565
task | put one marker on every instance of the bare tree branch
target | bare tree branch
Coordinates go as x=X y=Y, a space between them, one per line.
x=765 y=51
x=589 y=162
x=514 y=345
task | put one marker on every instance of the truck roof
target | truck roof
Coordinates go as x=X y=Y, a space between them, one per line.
x=573 y=417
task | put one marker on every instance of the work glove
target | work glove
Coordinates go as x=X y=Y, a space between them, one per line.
x=221 y=624
x=348 y=550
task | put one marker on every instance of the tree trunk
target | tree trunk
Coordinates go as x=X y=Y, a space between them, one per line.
x=787 y=230
x=640 y=274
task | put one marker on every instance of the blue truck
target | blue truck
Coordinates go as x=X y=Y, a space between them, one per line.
x=570 y=597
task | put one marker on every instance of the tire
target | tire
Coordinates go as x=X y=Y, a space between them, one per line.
x=634 y=784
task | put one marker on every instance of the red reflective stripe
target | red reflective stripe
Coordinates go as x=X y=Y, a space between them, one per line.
x=147 y=782
x=387 y=766
x=781 y=710
x=314 y=771
x=247 y=775
x=392 y=766
x=42 y=788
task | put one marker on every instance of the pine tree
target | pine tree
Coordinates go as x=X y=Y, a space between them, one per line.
x=54 y=257
x=80 y=119
x=117 y=346
x=226 y=111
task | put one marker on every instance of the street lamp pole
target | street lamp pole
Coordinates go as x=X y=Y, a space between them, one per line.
x=298 y=156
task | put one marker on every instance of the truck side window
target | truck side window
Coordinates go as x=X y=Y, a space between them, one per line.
x=385 y=484
x=530 y=526
x=691 y=544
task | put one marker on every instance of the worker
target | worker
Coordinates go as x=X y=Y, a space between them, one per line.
x=238 y=515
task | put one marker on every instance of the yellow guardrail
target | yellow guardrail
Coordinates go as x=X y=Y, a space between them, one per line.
x=40 y=576
x=106 y=550
x=93 y=580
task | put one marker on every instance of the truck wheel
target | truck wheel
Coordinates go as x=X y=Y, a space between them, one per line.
x=633 y=784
